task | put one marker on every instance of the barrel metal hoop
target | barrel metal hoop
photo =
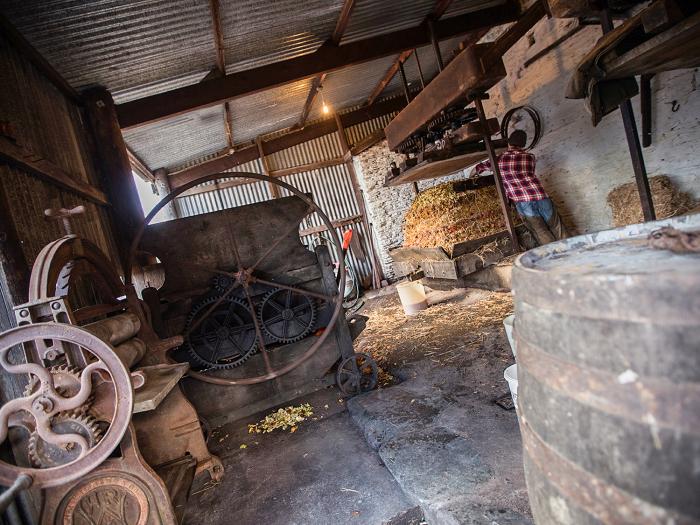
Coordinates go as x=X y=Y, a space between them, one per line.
x=606 y=502
x=652 y=402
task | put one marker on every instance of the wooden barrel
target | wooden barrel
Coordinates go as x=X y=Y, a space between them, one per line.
x=608 y=337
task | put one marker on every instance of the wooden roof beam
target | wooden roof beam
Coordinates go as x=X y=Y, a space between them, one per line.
x=318 y=80
x=327 y=58
x=221 y=64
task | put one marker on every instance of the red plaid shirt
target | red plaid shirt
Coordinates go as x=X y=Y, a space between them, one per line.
x=518 y=174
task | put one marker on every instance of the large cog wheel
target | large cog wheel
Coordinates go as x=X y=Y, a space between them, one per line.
x=43 y=454
x=226 y=338
x=286 y=317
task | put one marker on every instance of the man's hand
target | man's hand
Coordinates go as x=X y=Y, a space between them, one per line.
x=473 y=173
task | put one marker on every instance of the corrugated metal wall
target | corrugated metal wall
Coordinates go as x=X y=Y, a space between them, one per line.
x=49 y=126
x=330 y=187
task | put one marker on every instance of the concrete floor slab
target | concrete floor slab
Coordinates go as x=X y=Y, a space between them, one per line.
x=324 y=473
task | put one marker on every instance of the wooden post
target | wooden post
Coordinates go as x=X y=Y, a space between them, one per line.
x=635 y=148
x=163 y=189
x=493 y=158
x=274 y=188
x=347 y=155
x=404 y=82
x=114 y=168
x=14 y=267
x=436 y=44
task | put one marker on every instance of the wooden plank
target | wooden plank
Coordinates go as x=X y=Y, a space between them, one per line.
x=288 y=140
x=468 y=73
x=47 y=170
x=367 y=142
x=336 y=224
x=327 y=58
x=160 y=380
x=14 y=268
x=527 y=21
x=303 y=168
x=274 y=188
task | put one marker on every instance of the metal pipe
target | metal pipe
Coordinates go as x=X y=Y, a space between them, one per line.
x=420 y=69
x=436 y=44
x=404 y=82
x=23 y=482
x=630 y=125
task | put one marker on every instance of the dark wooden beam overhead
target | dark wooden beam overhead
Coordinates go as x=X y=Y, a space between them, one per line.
x=318 y=80
x=514 y=33
x=140 y=167
x=390 y=74
x=221 y=64
x=288 y=140
x=327 y=58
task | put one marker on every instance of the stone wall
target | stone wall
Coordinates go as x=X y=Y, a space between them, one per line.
x=577 y=163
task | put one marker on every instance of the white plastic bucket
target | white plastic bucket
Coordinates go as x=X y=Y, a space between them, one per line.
x=508 y=324
x=511 y=375
x=412 y=296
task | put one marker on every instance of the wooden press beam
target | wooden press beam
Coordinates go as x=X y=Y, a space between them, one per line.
x=288 y=140
x=325 y=59
x=438 y=10
x=317 y=82
x=474 y=70
x=221 y=63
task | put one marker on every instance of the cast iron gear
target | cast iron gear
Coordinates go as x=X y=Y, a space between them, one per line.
x=66 y=382
x=285 y=316
x=226 y=337
x=222 y=283
x=43 y=454
x=357 y=374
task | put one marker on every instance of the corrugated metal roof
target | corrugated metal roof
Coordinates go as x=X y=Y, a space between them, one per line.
x=172 y=142
x=137 y=48
x=257 y=32
x=119 y=44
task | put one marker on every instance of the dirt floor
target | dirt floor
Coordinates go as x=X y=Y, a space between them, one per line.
x=429 y=446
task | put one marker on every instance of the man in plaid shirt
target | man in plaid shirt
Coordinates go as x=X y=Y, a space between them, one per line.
x=524 y=189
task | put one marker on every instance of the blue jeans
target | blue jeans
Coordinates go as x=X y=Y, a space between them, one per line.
x=541 y=208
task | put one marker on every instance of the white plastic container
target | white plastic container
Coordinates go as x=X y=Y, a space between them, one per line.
x=412 y=296
x=511 y=375
x=508 y=324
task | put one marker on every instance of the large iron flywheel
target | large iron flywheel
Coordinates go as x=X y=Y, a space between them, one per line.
x=219 y=334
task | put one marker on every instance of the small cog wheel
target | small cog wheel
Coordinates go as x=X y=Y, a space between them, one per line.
x=222 y=283
x=285 y=316
x=43 y=454
x=357 y=374
x=226 y=338
x=66 y=382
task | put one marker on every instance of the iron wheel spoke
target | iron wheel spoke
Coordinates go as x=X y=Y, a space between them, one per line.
x=295 y=225
x=275 y=305
x=301 y=291
x=211 y=309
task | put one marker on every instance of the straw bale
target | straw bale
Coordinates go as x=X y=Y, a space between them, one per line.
x=668 y=201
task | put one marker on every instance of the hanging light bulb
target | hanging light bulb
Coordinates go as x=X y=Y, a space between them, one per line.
x=324 y=107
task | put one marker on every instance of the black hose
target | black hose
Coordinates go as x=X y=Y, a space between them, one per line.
x=534 y=115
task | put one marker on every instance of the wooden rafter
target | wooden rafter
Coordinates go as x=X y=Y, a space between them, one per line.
x=139 y=167
x=438 y=10
x=221 y=63
x=318 y=80
x=325 y=59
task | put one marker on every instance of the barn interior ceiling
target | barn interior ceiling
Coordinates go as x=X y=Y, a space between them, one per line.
x=138 y=49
